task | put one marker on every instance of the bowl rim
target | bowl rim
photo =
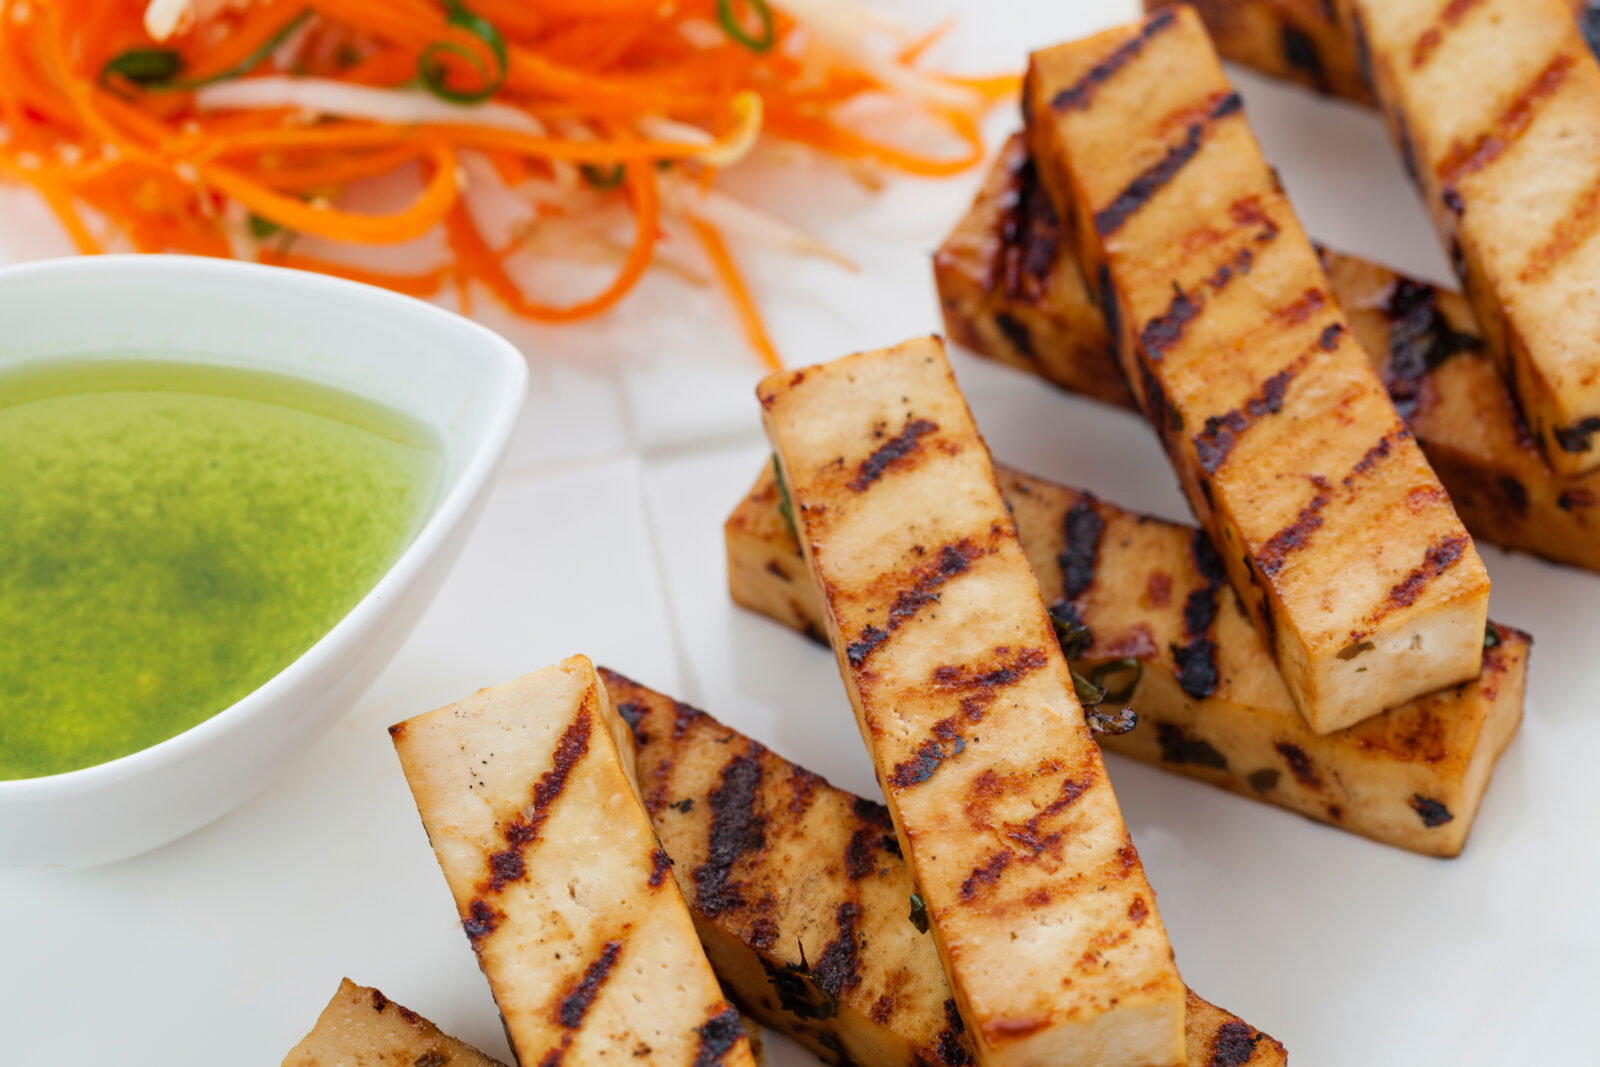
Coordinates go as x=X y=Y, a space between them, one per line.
x=506 y=381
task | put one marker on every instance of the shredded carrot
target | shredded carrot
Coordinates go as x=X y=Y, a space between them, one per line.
x=268 y=110
x=755 y=330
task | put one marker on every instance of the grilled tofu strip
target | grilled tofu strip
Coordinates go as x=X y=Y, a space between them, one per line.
x=1210 y=701
x=1333 y=528
x=803 y=900
x=1041 y=910
x=1495 y=105
x=361 y=1027
x=567 y=898
x=1423 y=340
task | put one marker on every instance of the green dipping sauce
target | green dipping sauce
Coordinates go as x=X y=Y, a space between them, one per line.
x=172 y=535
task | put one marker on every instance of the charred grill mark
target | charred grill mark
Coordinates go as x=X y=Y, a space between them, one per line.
x=1579 y=225
x=858 y=854
x=1180 y=747
x=1577 y=437
x=1265 y=780
x=660 y=867
x=1106 y=295
x=506 y=866
x=1300 y=765
x=951 y=561
x=1432 y=812
x=1329 y=338
x=575 y=1005
x=1301 y=308
x=1028 y=834
x=870 y=811
x=984 y=875
x=1235 y=1044
x=1138 y=192
x=952 y=1041
x=1420 y=339
x=1080 y=552
x=633 y=714
x=1016 y=333
x=1438 y=559
x=838 y=969
x=1376 y=455
x=1515 y=495
x=480 y=922
x=1300 y=52
x=1292 y=537
x=1215 y=441
x=1197 y=659
x=719 y=1035
x=1428 y=42
x=1030 y=238
x=1167 y=328
x=737 y=828
x=902 y=444
x=683 y=717
x=1510 y=125
x=945 y=743
x=1080 y=93
x=1026 y=661
x=1572 y=499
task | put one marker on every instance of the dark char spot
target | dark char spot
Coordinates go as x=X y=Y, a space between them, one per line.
x=1179 y=747
x=1080 y=553
x=1234 y=1044
x=1432 y=812
x=1300 y=765
x=718 y=1036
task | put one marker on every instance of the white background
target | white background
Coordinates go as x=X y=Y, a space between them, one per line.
x=604 y=536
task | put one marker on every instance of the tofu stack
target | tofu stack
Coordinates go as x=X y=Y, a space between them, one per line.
x=1209 y=700
x=807 y=920
x=1495 y=106
x=1011 y=290
x=1039 y=906
x=1330 y=523
x=526 y=791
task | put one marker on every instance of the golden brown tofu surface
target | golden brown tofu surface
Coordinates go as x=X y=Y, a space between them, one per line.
x=1055 y=954
x=1210 y=703
x=361 y=1027
x=1423 y=339
x=803 y=899
x=562 y=888
x=1332 y=525
x=1495 y=107
x=1299 y=40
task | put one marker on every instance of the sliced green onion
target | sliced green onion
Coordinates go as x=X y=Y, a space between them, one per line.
x=919 y=913
x=143 y=66
x=1089 y=694
x=732 y=27
x=261 y=227
x=1115 y=667
x=785 y=502
x=156 y=69
x=602 y=178
x=1114 y=724
x=1491 y=637
x=435 y=75
x=1074 y=636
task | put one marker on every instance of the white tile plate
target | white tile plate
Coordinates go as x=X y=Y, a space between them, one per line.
x=605 y=537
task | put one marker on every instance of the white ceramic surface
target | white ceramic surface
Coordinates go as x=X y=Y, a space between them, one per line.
x=461 y=381
x=603 y=535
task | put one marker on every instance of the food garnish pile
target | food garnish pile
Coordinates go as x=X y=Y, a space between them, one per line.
x=519 y=131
